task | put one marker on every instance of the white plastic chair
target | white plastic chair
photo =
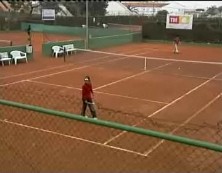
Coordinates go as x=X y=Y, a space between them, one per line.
x=4 y=57
x=105 y=25
x=57 y=50
x=17 y=55
x=69 y=48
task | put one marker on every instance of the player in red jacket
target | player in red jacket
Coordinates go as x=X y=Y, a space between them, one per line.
x=87 y=97
x=176 y=42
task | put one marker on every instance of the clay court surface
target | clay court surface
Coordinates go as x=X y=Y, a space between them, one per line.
x=169 y=97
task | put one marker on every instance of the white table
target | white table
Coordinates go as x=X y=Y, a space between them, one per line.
x=5 y=59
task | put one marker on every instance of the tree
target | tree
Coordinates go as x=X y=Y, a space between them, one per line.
x=162 y=14
x=21 y=6
x=212 y=10
x=16 y=5
x=75 y=8
x=79 y=8
x=50 y=5
x=220 y=9
x=97 y=8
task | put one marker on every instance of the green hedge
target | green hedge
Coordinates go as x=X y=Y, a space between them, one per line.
x=201 y=32
x=78 y=21
x=94 y=32
x=53 y=29
x=11 y=21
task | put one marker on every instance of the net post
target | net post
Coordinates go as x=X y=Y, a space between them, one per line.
x=64 y=54
x=145 y=63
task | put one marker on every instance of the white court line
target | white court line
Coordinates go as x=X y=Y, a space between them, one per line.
x=184 y=95
x=56 y=85
x=12 y=83
x=97 y=63
x=164 y=107
x=105 y=93
x=36 y=71
x=195 y=77
x=20 y=81
x=132 y=76
x=72 y=137
x=134 y=98
x=153 y=148
x=47 y=69
x=60 y=72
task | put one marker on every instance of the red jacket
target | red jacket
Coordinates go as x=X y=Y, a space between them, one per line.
x=87 y=91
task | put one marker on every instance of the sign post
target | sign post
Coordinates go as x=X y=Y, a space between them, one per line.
x=47 y=15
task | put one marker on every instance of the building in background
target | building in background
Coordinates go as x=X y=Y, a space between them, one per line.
x=63 y=11
x=174 y=8
x=116 y=8
x=145 y=8
x=195 y=12
x=5 y=6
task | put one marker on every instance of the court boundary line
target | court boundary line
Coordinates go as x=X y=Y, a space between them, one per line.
x=99 y=92
x=166 y=106
x=190 y=76
x=132 y=76
x=34 y=71
x=51 y=68
x=65 y=71
x=72 y=137
x=154 y=147
x=103 y=57
x=60 y=72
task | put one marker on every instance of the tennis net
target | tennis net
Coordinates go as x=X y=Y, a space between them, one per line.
x=131 y=60
x=135 y=59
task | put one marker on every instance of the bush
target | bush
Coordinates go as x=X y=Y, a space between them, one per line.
x=201 y=32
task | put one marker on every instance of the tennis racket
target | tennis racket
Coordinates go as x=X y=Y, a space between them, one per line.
x=91 y=103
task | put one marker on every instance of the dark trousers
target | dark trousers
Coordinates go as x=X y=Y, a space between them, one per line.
x=29 y=38
x=89 y=103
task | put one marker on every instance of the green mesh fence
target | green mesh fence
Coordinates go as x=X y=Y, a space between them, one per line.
x=107 y=41
x=56 y=29
x=98 y=37
x=53 y=29
x=103 y=31
x=33 y=141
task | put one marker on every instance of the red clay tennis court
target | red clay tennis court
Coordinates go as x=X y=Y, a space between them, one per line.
x=178 y=97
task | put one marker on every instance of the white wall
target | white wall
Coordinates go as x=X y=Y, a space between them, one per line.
x=174 y=8
x=117 y=8
x=149 y=11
